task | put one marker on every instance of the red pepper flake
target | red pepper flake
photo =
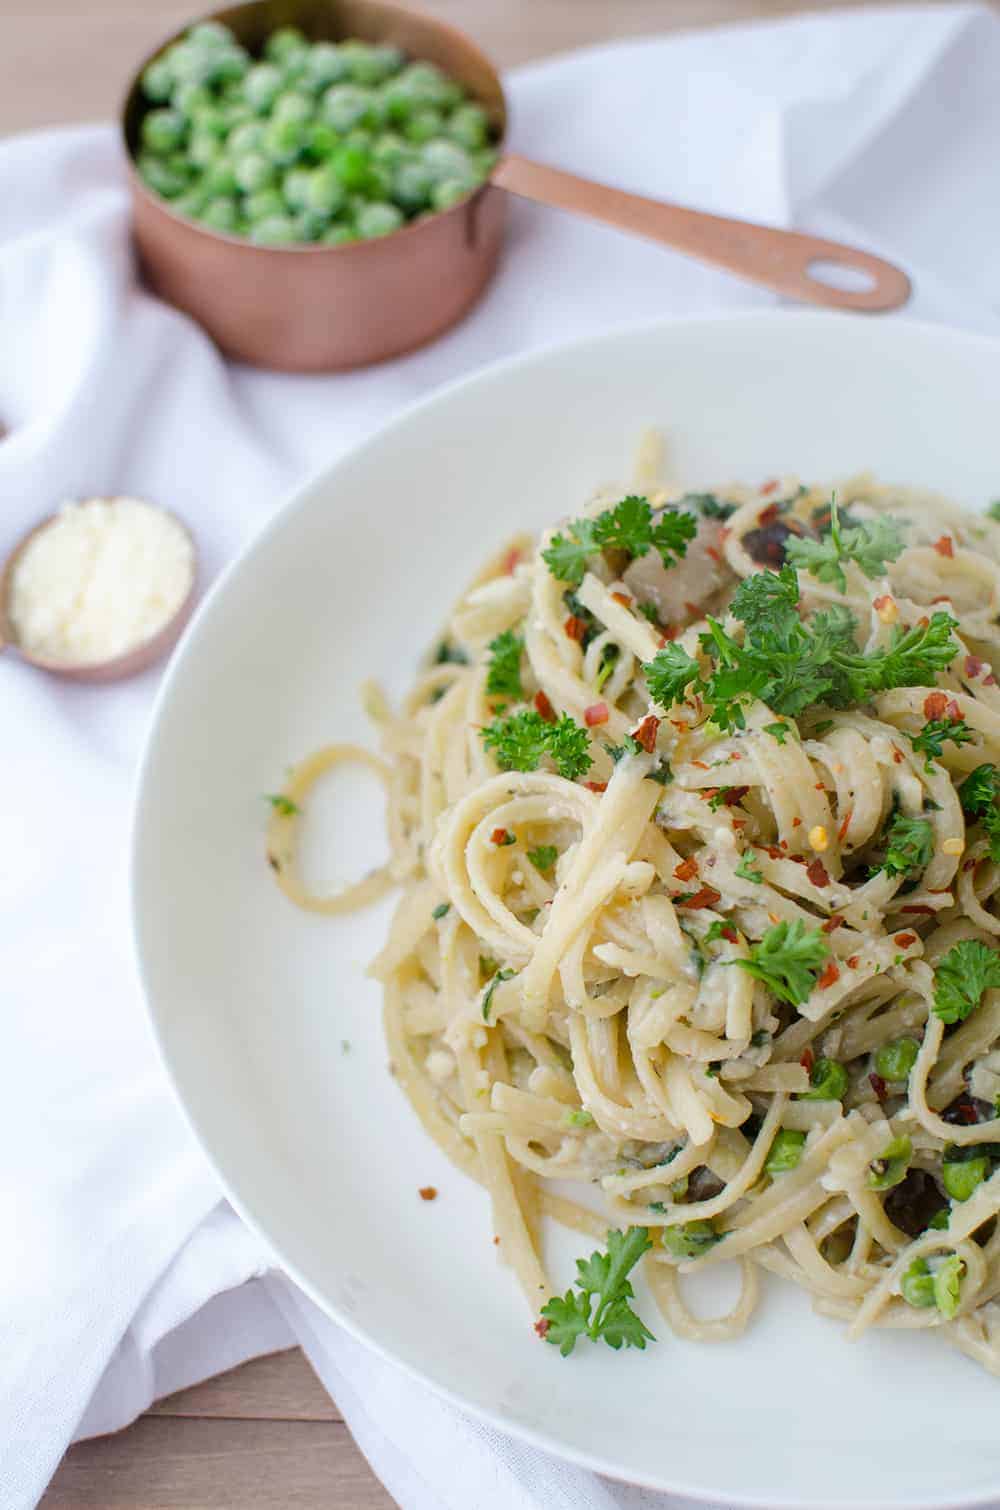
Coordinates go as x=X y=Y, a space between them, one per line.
x=724 y=533
x=833 y=922
x=807 y=1060
x=817 y=873
x=740 y=822
x=693 y=611
x=935 y=704
x=854 y=961
x=687 y=869
x=774 y=851
x=736 y=754
x=782 y=843
x=670 y=632
x=989 y=681
x=596 y=786
x=496 y=1242
x=511 y=560
x=545 y=708
x=878 y=1085
x=897 y=756
x=904 y=940
x=973 y=665
x=501 y=837
x=845 y=825
x=796 y=822
x=427 y=1193
x=969 y=864
x=707 y=896
x=830 y=976
x=575 y=628
x=596 y=714
x=819 y=786
x=734 y=795
x=716 y=555
x=622 y=598
x=646 y=733
x=542 y=1326
x=953 y=711
x=919 y=907
x=882 y=602
x=944 y=546
x=771 y=486
x=701 y=766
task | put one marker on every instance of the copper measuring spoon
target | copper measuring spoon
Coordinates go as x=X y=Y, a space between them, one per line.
x=128 y=663
x=319 y=308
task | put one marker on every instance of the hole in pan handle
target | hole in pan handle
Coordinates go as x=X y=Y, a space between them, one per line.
x=790 y=262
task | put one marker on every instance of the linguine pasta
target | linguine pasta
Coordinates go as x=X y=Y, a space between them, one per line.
x=688 y=968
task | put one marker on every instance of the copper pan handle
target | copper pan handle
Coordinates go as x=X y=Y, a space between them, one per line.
x=776 y=258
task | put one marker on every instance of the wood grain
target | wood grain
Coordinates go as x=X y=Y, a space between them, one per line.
x=281 y=1387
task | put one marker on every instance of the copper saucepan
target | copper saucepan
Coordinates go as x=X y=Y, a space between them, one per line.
x=322 y=308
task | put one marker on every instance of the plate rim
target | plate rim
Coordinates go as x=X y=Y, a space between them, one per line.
x=292 y=501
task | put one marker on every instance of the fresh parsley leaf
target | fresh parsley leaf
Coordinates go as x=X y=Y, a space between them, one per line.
x=579 y=1117
x=601 y=1310
x=446 y=652
x=609 y=655
x=649 y=611
x=518 y=742
x=503 y=677
x=282 y=804
x=629 y=527
x=909 y=846
x=544 y=857
x=788 y=959
x=569 y=747
x=441 y=911
x=491 y=988
x=931 y=739
x=707 y=505
x=747 y=870
x=980 y=798
x=961 y=977
x=778 y=731
x=628 y=746
x=869 y=544
x=669 y=674
x=718 y=930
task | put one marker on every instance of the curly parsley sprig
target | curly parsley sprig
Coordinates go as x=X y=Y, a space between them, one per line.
x=788 y=960
x=979 y=795
x=503 y=675
x=601 y=1309
x=789 y=665
x=969 y=969
x=629 y=527
x=870 y=544
x=521 y=741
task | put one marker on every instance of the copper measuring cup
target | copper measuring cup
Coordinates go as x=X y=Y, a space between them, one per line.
x=321 y=308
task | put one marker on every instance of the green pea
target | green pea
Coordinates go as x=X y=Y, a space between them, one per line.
x=321 y=140
x=689 y=1240
x=444 y=159
x=213 y=119
x=389 y=150
x=411 y=187
x=265 y=204
x=161 y=176
x=827 y=1081
x=274 y=230
x=485 y=161
x=450 y=192
x=204 y=149
x=427 y=85
x=948 y=1285
x=423 y=125
x=229 y=66
x=162 y=130
x=191 y=64
x=261 y=87
x=961 y=1178
x=293 y=105
x=939 y=1220
x=339 y=235
x=917 y=1284
x=158 y=81
x=352 y=166
x=325 y=65
x=311 y=224
x=221 y=214
x=284 y=141
x=378 y=219
x=362 y=64
x=347 y=105
x=469 y=125
x=191 y=202
x=211 y=34
x=254 y=171
x=379 y=184
x=890 y=1167
x=785 y=1151
x=219 y=178
x=295 y=188
x=324 y=191
x=360 y=136
x=895 y=1060
x=285 y=43
x=247 y=138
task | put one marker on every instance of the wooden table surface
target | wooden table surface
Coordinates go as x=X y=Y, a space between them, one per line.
x=266 y=1436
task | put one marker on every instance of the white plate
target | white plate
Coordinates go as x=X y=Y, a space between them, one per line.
x=252 y=1000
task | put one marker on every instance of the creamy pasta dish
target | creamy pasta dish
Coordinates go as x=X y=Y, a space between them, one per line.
x=695 y=816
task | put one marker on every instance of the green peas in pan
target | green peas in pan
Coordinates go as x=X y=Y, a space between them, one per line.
x=785 y=1152
x=323 y=141
x=895 y=1060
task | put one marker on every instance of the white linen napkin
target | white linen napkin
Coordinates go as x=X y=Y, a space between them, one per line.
x=123 y=1276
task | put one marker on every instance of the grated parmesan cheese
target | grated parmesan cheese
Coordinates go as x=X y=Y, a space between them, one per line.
x=102 y=579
